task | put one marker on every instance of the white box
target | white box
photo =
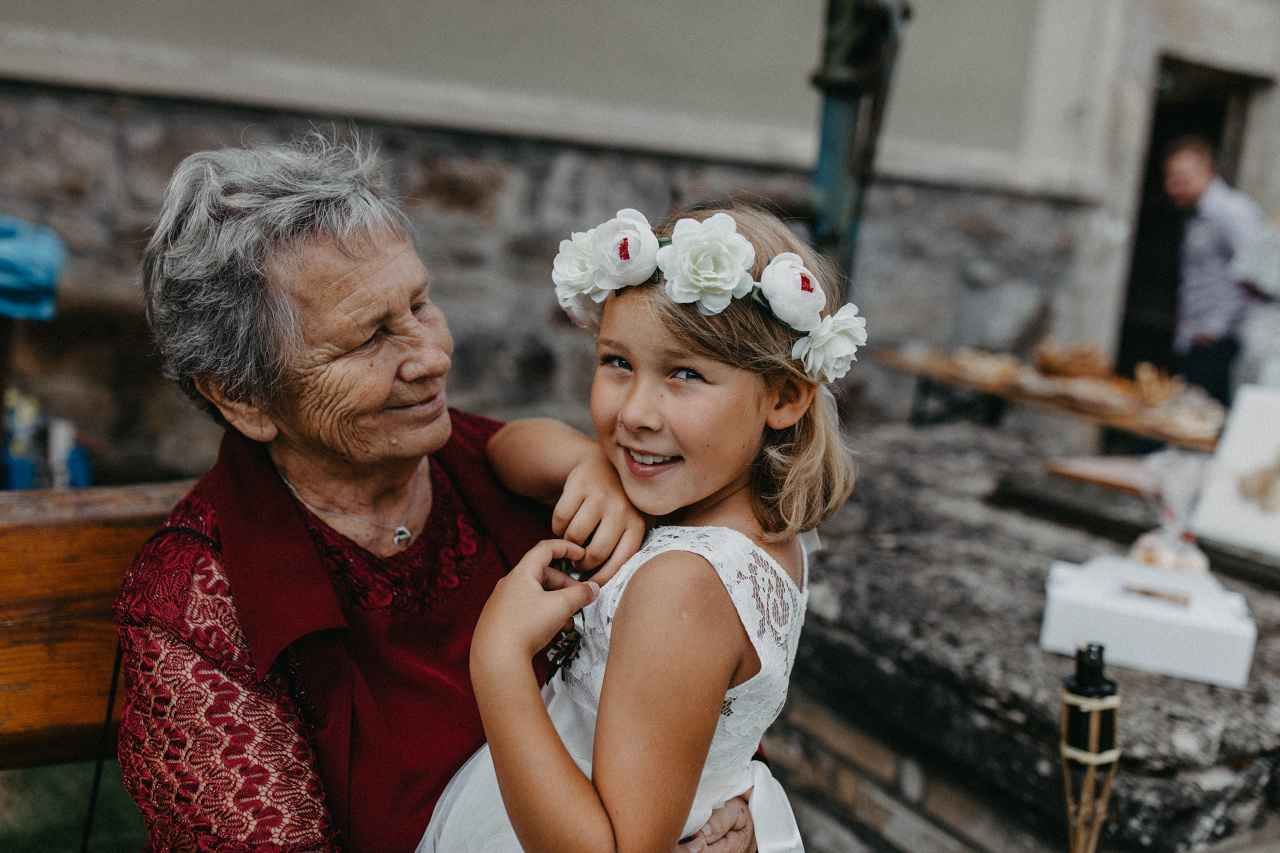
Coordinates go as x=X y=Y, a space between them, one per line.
x=1159 y=620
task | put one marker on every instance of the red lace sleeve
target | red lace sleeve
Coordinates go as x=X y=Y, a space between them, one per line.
x=215 y=760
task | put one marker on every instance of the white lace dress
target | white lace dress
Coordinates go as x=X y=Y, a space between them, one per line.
x=470 y=815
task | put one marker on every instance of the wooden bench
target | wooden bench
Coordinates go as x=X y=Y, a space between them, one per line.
x=62 y=555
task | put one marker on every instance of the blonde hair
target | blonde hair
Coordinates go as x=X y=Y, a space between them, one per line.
x=804 y=473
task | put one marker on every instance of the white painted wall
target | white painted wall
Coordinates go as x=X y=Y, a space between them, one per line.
x=717 y=78
x=1035 y=96
x=725 y=79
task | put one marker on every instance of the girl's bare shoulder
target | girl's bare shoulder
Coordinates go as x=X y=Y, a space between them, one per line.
x=676 y=586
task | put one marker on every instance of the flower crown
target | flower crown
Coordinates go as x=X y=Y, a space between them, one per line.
x=705 y=263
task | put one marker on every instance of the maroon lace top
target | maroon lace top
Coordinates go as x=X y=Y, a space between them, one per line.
x=287 y=690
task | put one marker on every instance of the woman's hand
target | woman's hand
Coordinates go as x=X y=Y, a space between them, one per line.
x=528 y=607
x=728 y=830
x=594 y=512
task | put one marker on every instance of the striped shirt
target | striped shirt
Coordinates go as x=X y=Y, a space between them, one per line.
x=1210 y=300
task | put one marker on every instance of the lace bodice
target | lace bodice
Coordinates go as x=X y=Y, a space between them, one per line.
x=768 y=603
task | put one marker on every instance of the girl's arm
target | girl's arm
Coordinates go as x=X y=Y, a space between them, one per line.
x=676 y=646
x=553 y=463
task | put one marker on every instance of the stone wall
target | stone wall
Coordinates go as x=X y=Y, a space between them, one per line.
x=855 y=791
x=963 y=268
x=946 y=266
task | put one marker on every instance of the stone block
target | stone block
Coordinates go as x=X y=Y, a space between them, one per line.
x=902 y=826
x=913 y=784
x=801 y=765
x=979 y=823
x=1008 y=317
x=460 y=185
x=842 y=738
x=824 y=834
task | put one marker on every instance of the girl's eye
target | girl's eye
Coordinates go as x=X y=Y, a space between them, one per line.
x=688 y=375
x=614 y=361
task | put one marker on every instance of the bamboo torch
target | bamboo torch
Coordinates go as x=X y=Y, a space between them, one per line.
x=1089 y=751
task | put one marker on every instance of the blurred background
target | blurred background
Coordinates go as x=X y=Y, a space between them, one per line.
x=1013 y=186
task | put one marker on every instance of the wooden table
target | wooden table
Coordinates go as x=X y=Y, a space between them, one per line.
x=940 y=370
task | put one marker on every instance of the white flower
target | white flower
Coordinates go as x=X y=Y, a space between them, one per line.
x=793 y=292
x=707 y=263
x=625 y=250
x=574 y=273
x=828 y=350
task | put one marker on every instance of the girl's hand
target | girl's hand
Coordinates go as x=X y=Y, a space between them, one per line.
x=528 y=607
x=594 y=512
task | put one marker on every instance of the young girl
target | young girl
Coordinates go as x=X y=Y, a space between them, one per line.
x=716 y=339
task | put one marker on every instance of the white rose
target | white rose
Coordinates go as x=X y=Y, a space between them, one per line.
x=625 y=251
x=574 y=273
x=828 y=350
x=707 y=263
x=793 y=292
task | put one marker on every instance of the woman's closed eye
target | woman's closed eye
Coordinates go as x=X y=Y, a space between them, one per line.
x=370 y=341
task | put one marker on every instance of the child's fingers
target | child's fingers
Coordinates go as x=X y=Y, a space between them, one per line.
x=566 y=509
x=530 y=604
x=563 y=596
x=537 y=562
x=629 y=542
x=603 y=541
x=577 y=596
x=590 y=514
x=553 y=579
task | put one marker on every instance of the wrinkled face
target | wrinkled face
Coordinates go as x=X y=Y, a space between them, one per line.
x=1187 y=174
x=682 y=430
x=368 y=387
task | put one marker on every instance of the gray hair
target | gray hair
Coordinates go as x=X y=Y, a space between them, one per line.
x=227 y=215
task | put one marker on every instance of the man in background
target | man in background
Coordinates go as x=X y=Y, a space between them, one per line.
x=1212 y=303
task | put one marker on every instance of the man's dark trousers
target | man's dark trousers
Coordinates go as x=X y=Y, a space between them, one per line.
x=1209 y=366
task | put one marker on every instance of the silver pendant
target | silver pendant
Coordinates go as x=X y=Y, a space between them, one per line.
x=402 y=536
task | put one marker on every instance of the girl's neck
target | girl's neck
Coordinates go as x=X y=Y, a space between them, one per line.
x=732 y=510
x=735 y=512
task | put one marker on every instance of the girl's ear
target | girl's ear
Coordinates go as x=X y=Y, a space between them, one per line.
x=792 y=401
x=249 y=419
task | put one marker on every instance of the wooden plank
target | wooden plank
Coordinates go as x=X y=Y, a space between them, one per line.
x=1122 y=473
x=86 y=559
x=1131 y=423
x=55 y=665
x=62 y=555
x=106 y=503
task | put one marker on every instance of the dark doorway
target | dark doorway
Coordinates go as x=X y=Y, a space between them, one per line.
x=1190 y=99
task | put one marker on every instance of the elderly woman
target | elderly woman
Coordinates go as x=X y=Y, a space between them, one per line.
x=296 y=637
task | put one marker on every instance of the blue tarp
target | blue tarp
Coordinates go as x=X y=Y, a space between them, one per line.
x=31 y=257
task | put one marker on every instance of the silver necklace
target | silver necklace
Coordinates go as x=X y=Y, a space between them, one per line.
x=399 y=535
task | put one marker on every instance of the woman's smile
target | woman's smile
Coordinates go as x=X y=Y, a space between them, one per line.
x=429 y=402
